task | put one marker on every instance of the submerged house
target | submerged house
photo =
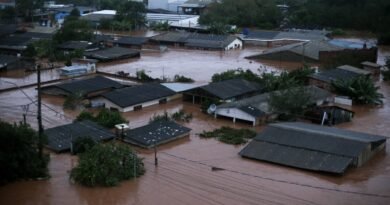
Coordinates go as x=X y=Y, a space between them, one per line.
x=90 y=87
x=256 y=109
x=136 y=97
x=329 y=115
x=155 y=133
x=128 y=42
x=325 y=78
x=313 y=147
x=114 y=53
x=8 y=62
x=198 y=41
x=61 y=138
x=224 y=91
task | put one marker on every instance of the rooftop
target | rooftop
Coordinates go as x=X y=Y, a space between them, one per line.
x=127 y=40
x=354 y=70
x=232 y=88
x=86 y=86
x=113 y=53
x=371 y=64
x=156 y=133
x=126 y=97
x=311 y=147
x=344 y=73
x=299 y=35
x=60 y=138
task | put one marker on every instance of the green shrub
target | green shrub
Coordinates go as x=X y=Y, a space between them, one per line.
x=107 y=165
x=85 y=115
x=109 y=119
x=19 y=155
x=182 y=79
x=82 y=144
x=230 y=135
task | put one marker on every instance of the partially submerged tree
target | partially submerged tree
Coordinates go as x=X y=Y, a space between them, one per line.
x=19 y=155
x=107 y=165
x=361 y=90
x=230 y=135
x=73 y=100
x=290 y=103
x=107 y=118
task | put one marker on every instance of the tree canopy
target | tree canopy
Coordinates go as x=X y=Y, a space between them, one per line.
x=19 y=155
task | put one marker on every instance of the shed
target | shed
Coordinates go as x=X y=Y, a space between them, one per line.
x=156 y=133
x=137 y=97
x=88 y=87
x=61 y=138
x=334 y=114
x=313 y=147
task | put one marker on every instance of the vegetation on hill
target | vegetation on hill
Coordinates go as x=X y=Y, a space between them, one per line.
x=19 y=155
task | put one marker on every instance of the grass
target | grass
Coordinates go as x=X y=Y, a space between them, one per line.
x=230 y=135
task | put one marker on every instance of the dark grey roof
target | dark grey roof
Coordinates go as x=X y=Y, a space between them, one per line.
x=35 y=35
x=334 y=74
x=138 y=94
x=232 y=88
x=158 y=132
x=6 y=29
x=60 y=138
x=310 y=146
x=7 y=59
x=96 y=17
x=174 y=37
x=259 y=34
x=196 y=39
x=73 y=45
x=112 y=53
x=127 y=40
x=87 y=86
x=15 y=41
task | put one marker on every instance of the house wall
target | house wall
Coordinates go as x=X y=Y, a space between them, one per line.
x=235 y=114
x=368 y=154
x=236 y=44
x=108 y=104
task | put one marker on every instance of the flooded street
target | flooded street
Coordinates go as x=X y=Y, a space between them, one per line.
x=184 y=174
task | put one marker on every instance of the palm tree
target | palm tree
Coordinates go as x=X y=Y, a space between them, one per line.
x=362 y=90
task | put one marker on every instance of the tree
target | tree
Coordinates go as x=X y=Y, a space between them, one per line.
x=290 y=103
x=230 y=135
x=82 y=144
x=19 y=155
x=107 y=165
x=109 y=118
x=25 y=8
x=182 y=79
x=132 y=12
x=362 y=90
x=74 y=30
x=73 y=100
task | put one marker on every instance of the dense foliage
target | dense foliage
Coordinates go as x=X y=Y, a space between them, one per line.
x=290 y=103
x=386 y=72
x=249 y=13
x=182 y=79
x=361 y=90
x=107 y=118
x=107 y=165
x=73 y=101
x=19 y=155
x=131 y=12
x=82 y=144
x=230 y=135
x=270 y=81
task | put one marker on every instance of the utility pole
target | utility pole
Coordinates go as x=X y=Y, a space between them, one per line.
x=155 y=154
x=39 y=115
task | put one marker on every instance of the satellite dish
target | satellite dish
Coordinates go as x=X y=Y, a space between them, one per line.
x=212 y=109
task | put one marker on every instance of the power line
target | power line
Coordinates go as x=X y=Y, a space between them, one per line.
x=282 y=181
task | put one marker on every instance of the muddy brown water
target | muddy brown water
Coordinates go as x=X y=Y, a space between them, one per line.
x=184 y=174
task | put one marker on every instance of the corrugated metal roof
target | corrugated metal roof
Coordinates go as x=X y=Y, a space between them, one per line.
x=112 y=53
x=334 y=74
x=138 y=94
x=232 y=88
x=60 y=138
x=155 y=133
x=180 y=87
x=354 y=70
x=86 y=86
x=310 y=146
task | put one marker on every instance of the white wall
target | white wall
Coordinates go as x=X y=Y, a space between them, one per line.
x=108 y=104
x=232 y=45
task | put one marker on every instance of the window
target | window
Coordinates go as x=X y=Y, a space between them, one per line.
x=138 y=107
x=162 y=101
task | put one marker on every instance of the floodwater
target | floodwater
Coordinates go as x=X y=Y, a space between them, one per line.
x=184 y=174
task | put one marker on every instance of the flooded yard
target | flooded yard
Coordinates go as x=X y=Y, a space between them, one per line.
x=184 y=174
